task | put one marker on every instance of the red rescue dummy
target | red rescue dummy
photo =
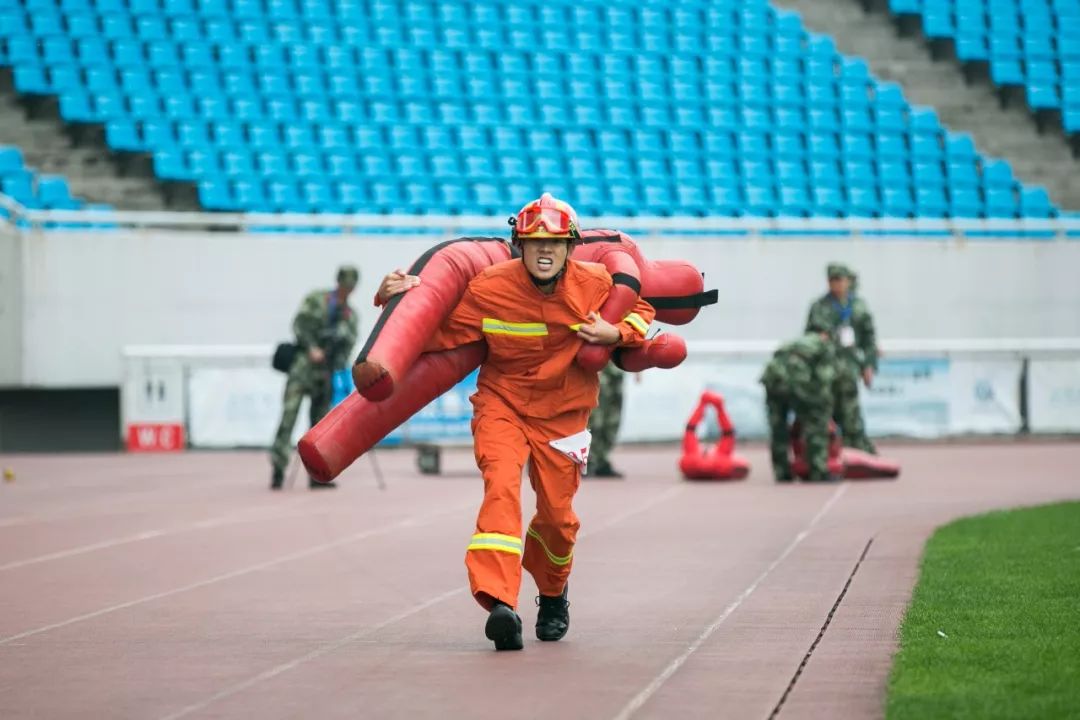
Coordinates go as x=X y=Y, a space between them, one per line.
x=718 y=462
x=848 y=463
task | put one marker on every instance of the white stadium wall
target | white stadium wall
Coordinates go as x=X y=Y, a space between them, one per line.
x=11 y=308
x=76 y=299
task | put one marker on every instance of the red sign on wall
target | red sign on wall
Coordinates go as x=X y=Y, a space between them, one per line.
x=155 y=437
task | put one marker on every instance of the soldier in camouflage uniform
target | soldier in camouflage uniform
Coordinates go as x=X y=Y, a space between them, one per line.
x=801 y=378
x=604 y=423
x=848 y=320
x=326 y=328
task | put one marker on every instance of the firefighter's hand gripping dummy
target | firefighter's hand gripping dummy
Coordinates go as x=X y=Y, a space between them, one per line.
x=534 y=313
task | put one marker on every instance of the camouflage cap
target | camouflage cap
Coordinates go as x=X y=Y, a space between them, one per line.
x=838 y=270
x=348 y=276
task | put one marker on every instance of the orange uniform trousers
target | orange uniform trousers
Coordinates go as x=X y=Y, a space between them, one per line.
x=504 y=441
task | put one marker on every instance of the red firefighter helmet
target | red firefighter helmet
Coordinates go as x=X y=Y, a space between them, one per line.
x=546 y=217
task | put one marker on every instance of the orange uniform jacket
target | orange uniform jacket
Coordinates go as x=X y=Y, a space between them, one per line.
x=532 y=338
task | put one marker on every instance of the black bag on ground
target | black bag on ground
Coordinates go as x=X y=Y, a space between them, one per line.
x=284 y=356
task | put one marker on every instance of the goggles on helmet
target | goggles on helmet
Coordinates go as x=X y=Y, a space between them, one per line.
x=546 y=218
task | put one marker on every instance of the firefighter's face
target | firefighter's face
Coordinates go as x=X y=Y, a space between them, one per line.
x=544 y=257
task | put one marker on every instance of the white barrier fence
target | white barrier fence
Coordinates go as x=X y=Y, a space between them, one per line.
x=20 y=217
x=227 y=396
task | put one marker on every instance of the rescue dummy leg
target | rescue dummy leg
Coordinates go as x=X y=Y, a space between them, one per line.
x=357 y=424
x=859 y=465
x=663 y=351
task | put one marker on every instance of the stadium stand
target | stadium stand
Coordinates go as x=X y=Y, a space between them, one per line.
x=415 y=106
x=1031 y=45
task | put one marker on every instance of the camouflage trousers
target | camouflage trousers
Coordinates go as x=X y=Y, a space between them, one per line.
x=605 y=418
x=814 y=421
x=303 y=380
x=848 y=414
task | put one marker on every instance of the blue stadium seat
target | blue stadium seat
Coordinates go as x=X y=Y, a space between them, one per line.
x=862 y=201
x=1035 y=202
x=965 y=202
x=1001 y=202
x=931 y=201
x=729 y=107
x=896 y=202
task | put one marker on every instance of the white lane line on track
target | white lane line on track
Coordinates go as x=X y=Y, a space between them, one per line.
x=401 y=524
x=85 y=510
x=642 y=697
x=247 y=515
x=342 y=642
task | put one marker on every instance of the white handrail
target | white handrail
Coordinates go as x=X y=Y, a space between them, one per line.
x=902 y=346
x=906 y=346
x=449 y=224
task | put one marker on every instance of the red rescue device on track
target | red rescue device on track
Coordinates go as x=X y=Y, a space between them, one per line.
x=848 y=463
x=395 y=379
x=718 y=462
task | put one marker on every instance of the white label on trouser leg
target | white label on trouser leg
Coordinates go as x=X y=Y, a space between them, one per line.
x=575 y=447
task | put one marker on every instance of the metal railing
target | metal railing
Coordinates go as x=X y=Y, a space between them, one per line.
x=456 y=225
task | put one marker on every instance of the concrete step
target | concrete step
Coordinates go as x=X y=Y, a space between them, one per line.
x=93 y=174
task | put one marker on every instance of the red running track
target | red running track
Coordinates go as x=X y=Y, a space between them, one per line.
x=177 y=586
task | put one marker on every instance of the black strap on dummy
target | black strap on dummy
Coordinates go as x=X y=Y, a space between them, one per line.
x=685 y=302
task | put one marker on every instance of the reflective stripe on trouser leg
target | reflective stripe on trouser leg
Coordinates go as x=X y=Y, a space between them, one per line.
x=492 y=559
x=549 y=541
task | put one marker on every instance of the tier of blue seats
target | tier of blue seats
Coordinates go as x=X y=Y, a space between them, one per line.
x=1034 y=44
x=712 y=107
x=33 y=190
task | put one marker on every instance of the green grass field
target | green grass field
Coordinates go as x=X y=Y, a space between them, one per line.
x=993 y=630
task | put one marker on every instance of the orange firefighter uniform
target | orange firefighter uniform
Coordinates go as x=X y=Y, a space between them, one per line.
x=529 y=392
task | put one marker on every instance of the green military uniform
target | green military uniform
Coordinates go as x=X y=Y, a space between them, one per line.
x=604 y=422
x=800 y=378
x=320 y=323
x=852 y=328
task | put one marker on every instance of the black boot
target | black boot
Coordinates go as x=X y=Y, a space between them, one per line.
x=829 y=477
x=504 y=627
x=277 y=479
x=604 y=470
x=553 y=620
x=314 y=484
